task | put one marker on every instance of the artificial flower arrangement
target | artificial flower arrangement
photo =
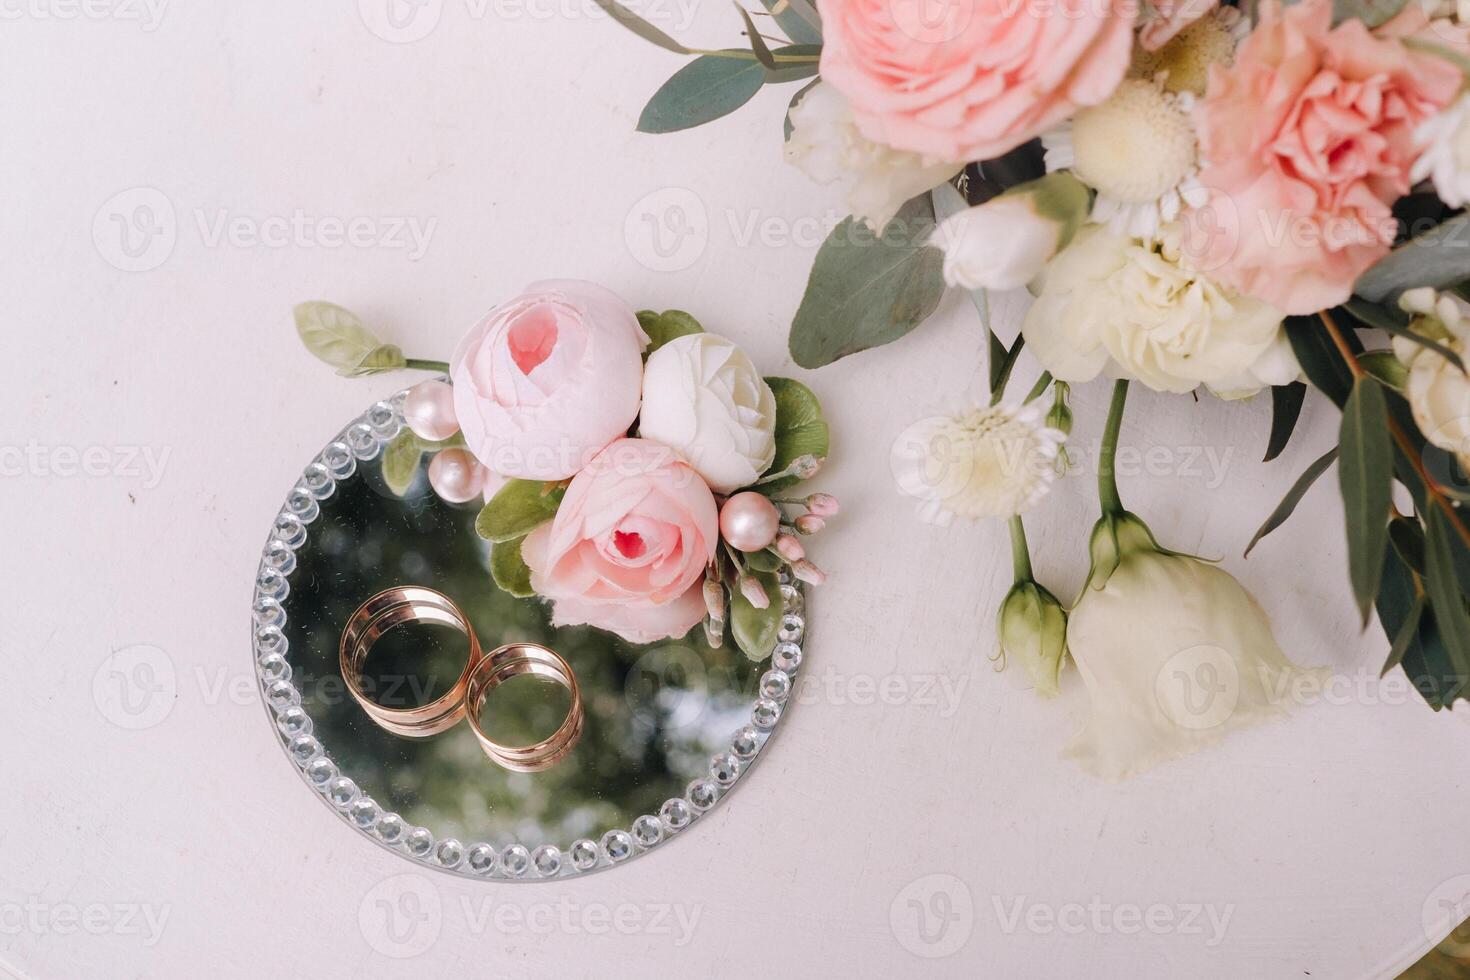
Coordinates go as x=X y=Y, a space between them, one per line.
x=635 y=471
x=1194 y=194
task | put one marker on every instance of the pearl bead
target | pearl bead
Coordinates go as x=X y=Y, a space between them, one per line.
x=456 y=476
x=428 y=410
x=749 y=521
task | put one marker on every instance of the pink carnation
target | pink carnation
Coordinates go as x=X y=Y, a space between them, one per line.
x=971 y=79
x=1308 y=141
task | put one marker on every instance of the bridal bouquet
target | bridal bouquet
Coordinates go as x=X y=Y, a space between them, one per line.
x=1195 y=194
x=634 y=470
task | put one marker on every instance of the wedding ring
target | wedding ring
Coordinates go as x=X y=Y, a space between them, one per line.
x=378 y=615
x=499 y=666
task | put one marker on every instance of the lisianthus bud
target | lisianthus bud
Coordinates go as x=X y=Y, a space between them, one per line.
x=790 y=548
x=822 y=504
x=1005 y=242
x=809 y=524
x=754 y=592
x=808 y=572
x=714 y=598
x=1033 y=631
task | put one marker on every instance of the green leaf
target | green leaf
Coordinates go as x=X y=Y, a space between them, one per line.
x=1286 y=408
x=1370 y=12
x=755 y=629
x=334 y=334
x=1407 y=633
x=1385 y=367
x=797 y=19
x=387 y=357
x=509 y=569
x=1448 y=601
x=666 y=326
x=401 y=461
x=707 y=88
x=1365 y=473
x=641 y=27
x=518 y=508
x=793 y=71
x=866 y=290
x=800 y=429
x=758 y=45
x=786 y=127
x=1407 y=538
x=1395 y=322
x=1318 y=356
x=1425 y=661
x=1438 y=258
x=765 y=560
x=1293 y=497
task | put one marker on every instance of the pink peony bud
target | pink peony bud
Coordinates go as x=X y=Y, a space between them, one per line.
x=808 y=572
x=714 y=598
x=754 y=592
x=790 y=548
x=822 y=504
x=809 y=524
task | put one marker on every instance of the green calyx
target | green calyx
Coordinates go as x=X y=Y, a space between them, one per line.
x=1033 y=629
x=1115 y=536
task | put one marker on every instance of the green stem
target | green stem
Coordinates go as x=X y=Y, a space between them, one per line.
x=419 y=364
x=1020 y=554
x=798 y=59
x=1107 y=477
x=1039 y=387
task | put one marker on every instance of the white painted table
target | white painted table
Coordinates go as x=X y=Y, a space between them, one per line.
x=915 y=804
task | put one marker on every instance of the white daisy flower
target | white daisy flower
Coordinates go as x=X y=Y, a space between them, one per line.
x=987 y=461
x=1445 y=159
x=1138 y=151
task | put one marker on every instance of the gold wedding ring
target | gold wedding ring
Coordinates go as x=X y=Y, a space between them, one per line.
x=375 y=617
x=499 y=666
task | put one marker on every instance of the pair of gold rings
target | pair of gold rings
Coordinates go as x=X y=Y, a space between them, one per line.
x=465 y=698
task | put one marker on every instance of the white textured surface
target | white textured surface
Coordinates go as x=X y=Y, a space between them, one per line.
x=1324 y=836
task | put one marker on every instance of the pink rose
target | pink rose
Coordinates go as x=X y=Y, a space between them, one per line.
x=548 y=379
x=628 y=547
x=1308 y=141
x=971 y=79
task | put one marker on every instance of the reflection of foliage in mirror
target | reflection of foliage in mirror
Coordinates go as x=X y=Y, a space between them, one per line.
x=654 y=714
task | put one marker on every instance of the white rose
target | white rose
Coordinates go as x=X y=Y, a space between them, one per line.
x=703 y=397
x=1007 y=241
x=826 y=146
x=1106 y=298
x=1438 y=392
x=1173 y=651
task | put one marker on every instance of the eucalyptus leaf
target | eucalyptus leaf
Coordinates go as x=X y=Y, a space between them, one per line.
x=1407 y=538
x=758 y=46
x=755 y=629
x=641 y=27
x=1425 y=660
x=518 y=508
x=1407 y=633
x=800 y=429
x=509 y=570
x=1438 y=258
x=1448 y=601
x=387 y=357
x=707 y=88
x=1385 y=367
x=1319 y=357
x=865 y=291
x=1371 y=12
x=1286 y=408
x=1293 y=497
x=1365 y=474
x=334 y=334
x=401 y=460
x=1395 y=322
x=803 y=11
x=666 y=326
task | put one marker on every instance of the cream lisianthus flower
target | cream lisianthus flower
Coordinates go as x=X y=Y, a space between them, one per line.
x=1138 y=151
x=996 y=461
x=1137 y=308
x=825 y=144
x=1445 y=159
x=1437 y=390
x=1174 y=652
